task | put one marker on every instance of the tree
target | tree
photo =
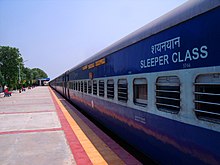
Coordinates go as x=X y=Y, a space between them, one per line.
x=11 y=63
x=2 y=80
x=12 y=70
x=38 y=73
x=27 y=76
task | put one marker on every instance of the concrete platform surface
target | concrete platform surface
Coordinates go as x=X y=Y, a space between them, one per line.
x=30 y=130
x=35 y=148
x=39 y=127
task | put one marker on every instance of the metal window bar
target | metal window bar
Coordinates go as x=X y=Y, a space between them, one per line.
x=90 y=87
x=81 y=86
x=95 y=87
x=211 y=94
x=167 y=91
x=168 y=94
x=168 y=105
x=207 y=112
x=85 y=86
x=101 y=88
x=110 y=89
x=206 y=84
x=203 y=102
x=122 y=92
x=110 y=95
x=167 y=98
x=78 y=86
x=207 y=97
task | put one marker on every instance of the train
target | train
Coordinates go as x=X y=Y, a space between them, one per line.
x=158 y=88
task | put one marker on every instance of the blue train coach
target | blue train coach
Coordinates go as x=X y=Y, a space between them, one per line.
x=158 y=88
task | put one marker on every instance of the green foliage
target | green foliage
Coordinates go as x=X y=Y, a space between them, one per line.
x=27 y=76
x=10 y=59
x=12 y=70
x=38 y=73
x=2 y=80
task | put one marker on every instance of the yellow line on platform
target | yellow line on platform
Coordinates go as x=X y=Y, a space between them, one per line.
x=90 y=149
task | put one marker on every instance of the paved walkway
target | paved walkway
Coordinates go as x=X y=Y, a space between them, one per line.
x=30 y=131
x=40 y=127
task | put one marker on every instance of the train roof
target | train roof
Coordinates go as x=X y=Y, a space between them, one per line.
x=180 y=14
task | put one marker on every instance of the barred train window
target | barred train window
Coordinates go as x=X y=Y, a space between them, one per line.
x=74 y=85
x=168 y=94
x=85 y=86
x=207 y=97
x=78 y=86
x=70 y=85
x=122 y=90
x=101 y=88
x=90 y=87
x=110 y=89
x=81 y=86
x=140 y=91
x=94 y=87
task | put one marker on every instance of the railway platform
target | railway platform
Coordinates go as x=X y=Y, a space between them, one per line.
x=40 y=127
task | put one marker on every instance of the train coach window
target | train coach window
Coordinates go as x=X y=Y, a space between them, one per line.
x=74 y=85
x=101 y=88
x=168 y=94
x=122 y=90
x=78 y=86
x=140 y=91
x=110 y=89
x=81 y=86
x=70 y=85
x=207 y=97
x=85 y=86
x=94 y=87
x=89 y=87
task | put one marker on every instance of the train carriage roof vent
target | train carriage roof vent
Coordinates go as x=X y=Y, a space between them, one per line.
x=207 y=97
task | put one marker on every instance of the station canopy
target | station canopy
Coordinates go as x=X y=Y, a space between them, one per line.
x=44 y=79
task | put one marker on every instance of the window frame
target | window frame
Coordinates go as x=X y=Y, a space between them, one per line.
x=122 y=90
x=137 y=101
x=101 y=88
x=207 y=94
x=85 y=87
x=78 y=86
x=110 y=89
x=95 y=87
x=74 y=85
x=167 y=88
x=90 y=87
x=81 y=86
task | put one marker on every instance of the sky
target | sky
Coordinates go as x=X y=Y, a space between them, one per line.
x=56 y=35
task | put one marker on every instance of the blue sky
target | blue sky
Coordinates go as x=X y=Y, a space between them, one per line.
x=56 y=35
